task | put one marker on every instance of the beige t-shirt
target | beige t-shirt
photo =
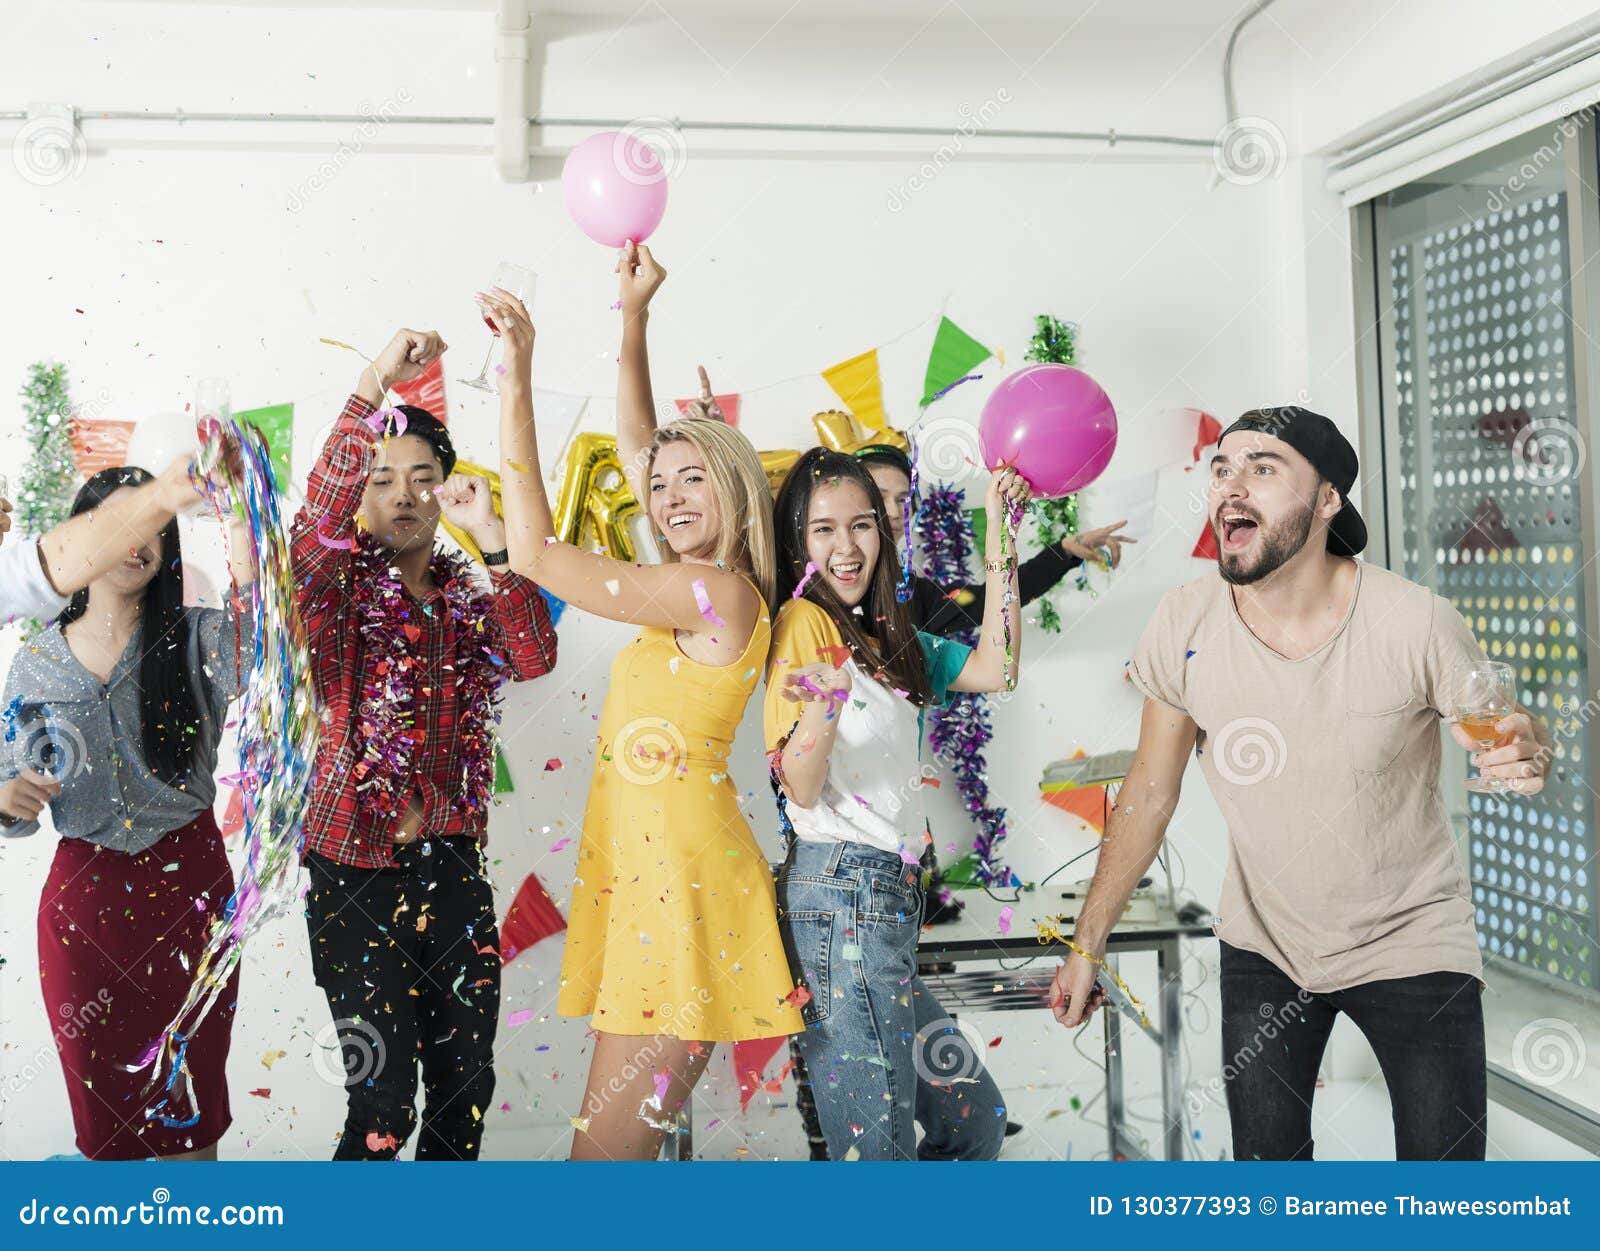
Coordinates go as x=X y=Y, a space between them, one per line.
x=1342 y=867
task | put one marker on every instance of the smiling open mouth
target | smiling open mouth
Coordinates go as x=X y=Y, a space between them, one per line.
x=846 y=571
x=1238 y=530
x=678 y=520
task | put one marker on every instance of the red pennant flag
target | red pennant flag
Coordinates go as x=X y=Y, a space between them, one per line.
x=99 y=444
x=531 y=918
x=426 y=391
x=1205 y=547
x=729 y=404
x=1207 y=431
x=233 y=815
x=749 y=1059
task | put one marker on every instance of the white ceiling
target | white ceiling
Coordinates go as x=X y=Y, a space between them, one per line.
x=1185 y=13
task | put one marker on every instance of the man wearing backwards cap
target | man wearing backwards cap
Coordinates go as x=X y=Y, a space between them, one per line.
x=1310 y=686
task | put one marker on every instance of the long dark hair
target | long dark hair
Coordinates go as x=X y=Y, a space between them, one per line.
x=882 y=635
x=168 y=713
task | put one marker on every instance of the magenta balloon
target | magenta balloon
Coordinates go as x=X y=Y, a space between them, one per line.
x=1053 y=425
x=615 y=188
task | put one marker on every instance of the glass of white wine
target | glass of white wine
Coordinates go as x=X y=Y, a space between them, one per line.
x=1488 y=695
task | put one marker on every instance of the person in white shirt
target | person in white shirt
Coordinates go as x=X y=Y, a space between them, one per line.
x=39 y=575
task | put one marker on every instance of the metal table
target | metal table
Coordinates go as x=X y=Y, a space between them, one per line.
x=976 y=937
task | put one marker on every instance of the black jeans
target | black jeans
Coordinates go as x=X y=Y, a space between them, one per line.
x=1427 y=1032
x=409 y=958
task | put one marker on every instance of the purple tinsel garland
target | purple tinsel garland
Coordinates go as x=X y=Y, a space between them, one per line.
x=959 y=734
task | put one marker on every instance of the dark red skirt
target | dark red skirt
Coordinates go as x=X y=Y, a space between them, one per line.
x=118 y=937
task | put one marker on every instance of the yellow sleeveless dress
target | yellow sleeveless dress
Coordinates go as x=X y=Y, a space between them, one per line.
x=673 y=927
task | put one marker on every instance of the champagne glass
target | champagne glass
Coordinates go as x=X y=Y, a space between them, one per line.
x=1488 y=694
x=517 y=279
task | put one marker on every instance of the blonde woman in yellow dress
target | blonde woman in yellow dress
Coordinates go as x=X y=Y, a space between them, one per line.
x=672 y=942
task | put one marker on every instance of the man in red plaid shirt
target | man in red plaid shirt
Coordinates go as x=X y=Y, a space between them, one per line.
x=409 y=652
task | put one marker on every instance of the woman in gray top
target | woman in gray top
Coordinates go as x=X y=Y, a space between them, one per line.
x=111 y=720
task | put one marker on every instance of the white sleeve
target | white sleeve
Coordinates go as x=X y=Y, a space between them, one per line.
x=24 y=590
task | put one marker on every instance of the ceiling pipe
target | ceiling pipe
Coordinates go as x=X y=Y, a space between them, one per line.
x=512 y=54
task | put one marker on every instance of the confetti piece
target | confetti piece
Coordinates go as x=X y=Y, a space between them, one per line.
x=852 y=951
x=703 y=599
x=613 y=585
x=551 y=765
x=800 y=586
x=520 y=468
x=1188 y=654
x=1005 y=919
x=262 y=1092
x=271 y=1058
x=520 y=1017
x=377 y=1142
x=799 y=997
x=341 y=545
x=560 y=843
x=580 y=1123
x=835 y=654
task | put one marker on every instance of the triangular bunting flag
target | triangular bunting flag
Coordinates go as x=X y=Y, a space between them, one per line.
x=99 y=444
x=1087 y=803
x=277 y=424
x=729 y=404
x=750 y=1058
x=502 y=774
x=426 y=390
x=856 y=382
x=1207 y=431
x=954 y=352
x=531 y=918
x=1205 y=547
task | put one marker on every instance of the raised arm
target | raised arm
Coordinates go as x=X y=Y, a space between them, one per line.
x=692 y=597
x=989 y=668
x=1133 y=835
x=84 y=547
x=323 y=532
x=641 y=278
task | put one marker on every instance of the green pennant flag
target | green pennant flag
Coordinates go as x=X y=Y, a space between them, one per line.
x=954 y=353
x=277 y=423
x=502 y=774
x=979 y=518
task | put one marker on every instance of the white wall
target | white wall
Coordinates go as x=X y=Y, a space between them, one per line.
x=176 y=253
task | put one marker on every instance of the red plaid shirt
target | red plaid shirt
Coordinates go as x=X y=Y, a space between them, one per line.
x=335 y=826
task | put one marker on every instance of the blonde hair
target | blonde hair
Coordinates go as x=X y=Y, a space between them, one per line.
x=744 y=500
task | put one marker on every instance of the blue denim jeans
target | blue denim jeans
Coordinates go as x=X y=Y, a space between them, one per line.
x=881 y=1053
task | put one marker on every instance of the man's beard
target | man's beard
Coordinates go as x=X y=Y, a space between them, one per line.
x=1278 y=547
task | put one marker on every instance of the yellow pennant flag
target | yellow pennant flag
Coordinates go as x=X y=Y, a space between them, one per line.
x=856 y=382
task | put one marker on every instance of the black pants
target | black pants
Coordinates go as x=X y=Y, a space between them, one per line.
x=1427 y=1032
x=409 y=959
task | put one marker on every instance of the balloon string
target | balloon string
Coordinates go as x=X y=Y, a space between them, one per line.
x=1008 y=549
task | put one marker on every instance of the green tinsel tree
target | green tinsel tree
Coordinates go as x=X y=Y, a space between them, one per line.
x=45 y=489
x=1054 y=342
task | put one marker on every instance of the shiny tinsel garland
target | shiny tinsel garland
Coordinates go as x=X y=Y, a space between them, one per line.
x=960 y=733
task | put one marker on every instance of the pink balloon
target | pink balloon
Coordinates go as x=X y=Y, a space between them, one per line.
x=1053 y=425
x=615 y=188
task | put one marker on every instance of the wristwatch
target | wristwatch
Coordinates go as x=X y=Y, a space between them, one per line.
x=502 y=557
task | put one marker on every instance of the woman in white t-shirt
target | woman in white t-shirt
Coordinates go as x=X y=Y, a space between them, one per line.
x=847 y=679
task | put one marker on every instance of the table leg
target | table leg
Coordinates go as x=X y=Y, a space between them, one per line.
x=1116 y=1111
x=1169 y=972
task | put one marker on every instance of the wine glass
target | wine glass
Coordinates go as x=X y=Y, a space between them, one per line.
x=517 y=279
x=1488 y=694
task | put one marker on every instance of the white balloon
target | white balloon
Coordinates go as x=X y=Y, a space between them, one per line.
x=160 y=439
